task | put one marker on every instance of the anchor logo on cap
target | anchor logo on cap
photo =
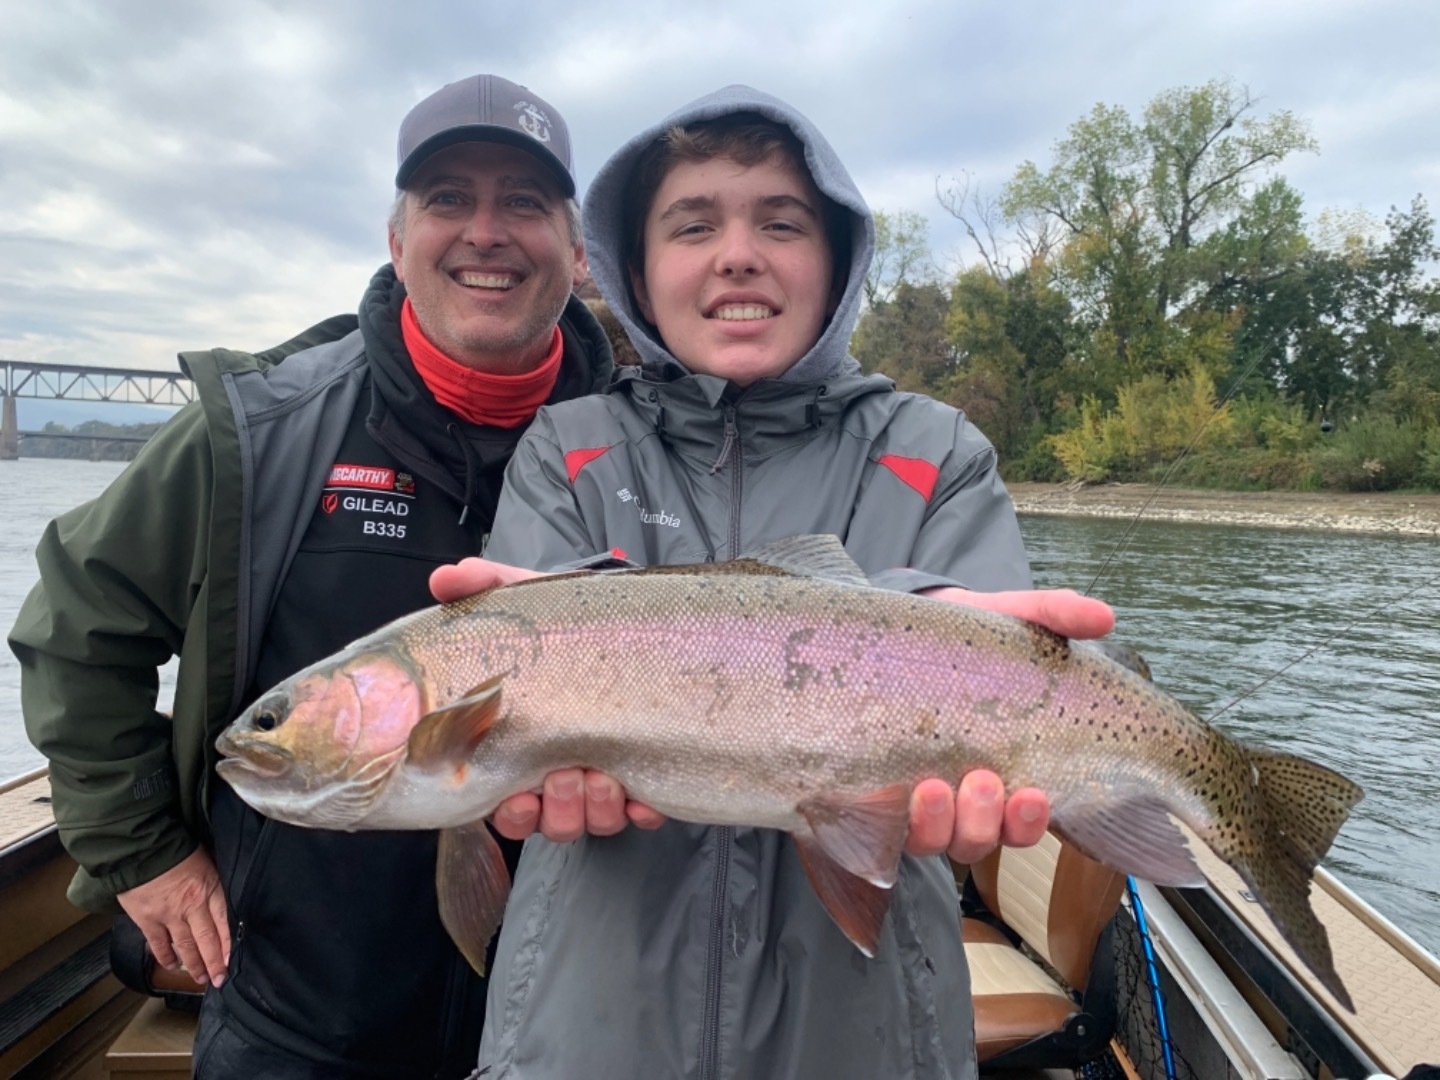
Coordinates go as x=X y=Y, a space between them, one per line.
x=533 y=120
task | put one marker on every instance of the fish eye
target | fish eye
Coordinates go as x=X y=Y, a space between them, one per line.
x=268 y=718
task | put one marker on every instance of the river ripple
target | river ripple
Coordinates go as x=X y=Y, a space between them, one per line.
x=1217 y=610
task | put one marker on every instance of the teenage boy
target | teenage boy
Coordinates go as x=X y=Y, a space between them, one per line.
x=732 y=245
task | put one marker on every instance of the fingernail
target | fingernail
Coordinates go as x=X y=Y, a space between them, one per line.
x=202 y=979
x=935 y=804
x=1029 y=812
x=515 y=816
x=219 y=981
x=599 y=790
x=565 y=787
x=985 y=794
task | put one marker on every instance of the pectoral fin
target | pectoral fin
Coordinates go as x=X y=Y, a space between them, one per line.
x=451 y=734
x=864 y=834
x=857 y=907
x=473 y=885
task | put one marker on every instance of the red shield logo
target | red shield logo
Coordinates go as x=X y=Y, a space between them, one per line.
x=329 y=502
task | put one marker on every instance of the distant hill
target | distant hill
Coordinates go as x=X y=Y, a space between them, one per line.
x=35 y=413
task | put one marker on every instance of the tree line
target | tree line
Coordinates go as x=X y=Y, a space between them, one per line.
x=99 y=442
x=1156 y=288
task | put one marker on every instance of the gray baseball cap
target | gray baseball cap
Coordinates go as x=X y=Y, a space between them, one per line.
x=485 y=108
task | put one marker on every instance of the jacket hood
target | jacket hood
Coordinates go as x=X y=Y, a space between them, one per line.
x=606 y=244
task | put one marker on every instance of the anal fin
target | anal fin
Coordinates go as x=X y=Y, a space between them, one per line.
x=473 y=884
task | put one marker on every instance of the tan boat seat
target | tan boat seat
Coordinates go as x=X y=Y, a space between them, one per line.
x=155 y=1045
x=1058 y=903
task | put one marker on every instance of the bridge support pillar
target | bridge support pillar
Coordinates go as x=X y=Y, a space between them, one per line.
x=9 y=429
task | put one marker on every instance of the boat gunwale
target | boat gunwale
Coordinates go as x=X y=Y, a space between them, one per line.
x=1392 y=934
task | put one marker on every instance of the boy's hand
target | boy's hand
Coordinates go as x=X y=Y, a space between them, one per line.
x=470 y=576
x=968 y=823
x=571 y=803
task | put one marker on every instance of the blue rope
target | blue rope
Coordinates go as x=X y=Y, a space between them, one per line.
x=1152 y=976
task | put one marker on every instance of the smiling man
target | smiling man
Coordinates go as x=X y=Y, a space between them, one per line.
x=296 y=506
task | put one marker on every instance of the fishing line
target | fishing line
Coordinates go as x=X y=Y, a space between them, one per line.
x=1125 y=536
x=1393 y=601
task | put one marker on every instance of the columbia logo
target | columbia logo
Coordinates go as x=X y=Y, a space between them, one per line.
x=625 y=495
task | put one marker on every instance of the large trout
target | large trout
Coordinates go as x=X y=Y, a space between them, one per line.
x=777 y=691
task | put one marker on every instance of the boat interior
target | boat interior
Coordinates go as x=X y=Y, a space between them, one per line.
x=1077 y=973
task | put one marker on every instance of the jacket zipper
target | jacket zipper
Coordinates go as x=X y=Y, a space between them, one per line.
x=724 y=834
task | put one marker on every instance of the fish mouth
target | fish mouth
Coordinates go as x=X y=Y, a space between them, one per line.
x=252 y=755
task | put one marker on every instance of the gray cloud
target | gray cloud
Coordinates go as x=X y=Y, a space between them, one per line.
x=220 y=172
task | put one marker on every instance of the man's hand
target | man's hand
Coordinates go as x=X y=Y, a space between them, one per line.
x=183 y=916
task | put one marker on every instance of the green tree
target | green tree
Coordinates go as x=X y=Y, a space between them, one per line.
x=1164 y=216
x=905 y=339
x=1011 y=340
x=902 y=255
x=1358 y=320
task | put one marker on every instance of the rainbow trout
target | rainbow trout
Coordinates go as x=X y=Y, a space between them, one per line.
x=777 y=691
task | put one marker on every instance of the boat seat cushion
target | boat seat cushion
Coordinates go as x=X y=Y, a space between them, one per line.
x=1015 y=1000
x=1057 y=902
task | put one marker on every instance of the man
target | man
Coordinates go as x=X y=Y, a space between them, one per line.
x=294 y=507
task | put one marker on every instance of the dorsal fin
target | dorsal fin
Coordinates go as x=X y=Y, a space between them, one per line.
x=1123 y=655
x=818 y=555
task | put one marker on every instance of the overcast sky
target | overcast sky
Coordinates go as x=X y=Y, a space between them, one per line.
x=182 y=174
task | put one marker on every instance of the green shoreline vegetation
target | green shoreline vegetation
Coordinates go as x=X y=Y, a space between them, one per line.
x=1157 y=287
x=91 y=440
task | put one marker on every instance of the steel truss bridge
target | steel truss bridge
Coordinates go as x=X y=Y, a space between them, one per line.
x=73 y=382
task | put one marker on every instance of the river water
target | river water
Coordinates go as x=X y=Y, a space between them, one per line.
x=1214 y=609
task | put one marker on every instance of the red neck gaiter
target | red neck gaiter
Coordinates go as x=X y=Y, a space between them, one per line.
x=504 y=401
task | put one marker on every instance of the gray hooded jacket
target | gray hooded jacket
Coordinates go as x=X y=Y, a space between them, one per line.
x=703 y=952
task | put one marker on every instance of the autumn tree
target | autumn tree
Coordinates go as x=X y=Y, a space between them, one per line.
x=1165 y=216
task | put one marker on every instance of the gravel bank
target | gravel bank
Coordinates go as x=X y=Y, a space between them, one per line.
x=1408 y=515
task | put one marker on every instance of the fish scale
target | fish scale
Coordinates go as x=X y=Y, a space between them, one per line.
x=776 y=691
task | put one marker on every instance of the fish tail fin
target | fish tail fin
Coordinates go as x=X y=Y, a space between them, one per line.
x=1301 y=807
